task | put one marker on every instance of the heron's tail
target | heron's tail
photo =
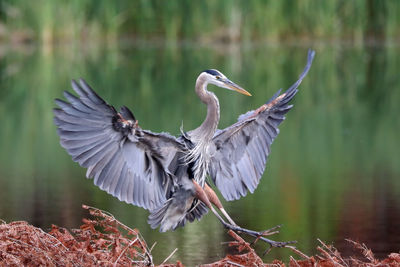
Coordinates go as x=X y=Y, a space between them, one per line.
x=176 y=211
x=158 y=216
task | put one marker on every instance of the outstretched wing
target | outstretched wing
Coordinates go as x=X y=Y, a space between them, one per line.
x=243 y=148
x=124 y=160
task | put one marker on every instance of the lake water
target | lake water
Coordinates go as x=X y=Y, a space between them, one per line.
x=333 y=173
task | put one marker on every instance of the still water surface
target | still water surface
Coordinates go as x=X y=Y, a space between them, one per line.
x=334 y=170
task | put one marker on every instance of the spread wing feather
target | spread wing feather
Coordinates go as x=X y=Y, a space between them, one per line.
x=242 y=149
x=129 y=163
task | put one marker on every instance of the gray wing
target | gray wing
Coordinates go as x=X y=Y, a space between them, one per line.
x=241 y=150
x=124 y=160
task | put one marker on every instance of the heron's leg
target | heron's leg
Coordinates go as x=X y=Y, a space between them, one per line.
x=215 y=200
x=202 y=195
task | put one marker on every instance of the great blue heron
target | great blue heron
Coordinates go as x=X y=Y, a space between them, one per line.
x=167 y=175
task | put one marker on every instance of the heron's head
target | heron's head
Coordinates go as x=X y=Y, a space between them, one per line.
x=217 y=78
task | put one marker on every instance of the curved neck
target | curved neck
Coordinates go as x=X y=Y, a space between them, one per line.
x=207 y=129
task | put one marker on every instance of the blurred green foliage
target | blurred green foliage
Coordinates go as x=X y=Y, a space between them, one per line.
x=61 y=21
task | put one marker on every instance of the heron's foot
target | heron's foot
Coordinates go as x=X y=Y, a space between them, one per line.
x=271 y=231
x=261 y=236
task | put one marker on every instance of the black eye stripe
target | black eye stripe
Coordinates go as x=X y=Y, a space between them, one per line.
x=213 y=72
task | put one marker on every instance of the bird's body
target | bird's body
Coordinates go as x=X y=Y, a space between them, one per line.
x=165 y=174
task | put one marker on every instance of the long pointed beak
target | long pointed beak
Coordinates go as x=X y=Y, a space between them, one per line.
x=233 y=86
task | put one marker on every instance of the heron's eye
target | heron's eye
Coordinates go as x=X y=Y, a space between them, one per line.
x=218 y=77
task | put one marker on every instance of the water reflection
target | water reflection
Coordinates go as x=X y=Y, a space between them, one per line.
x=333 y=173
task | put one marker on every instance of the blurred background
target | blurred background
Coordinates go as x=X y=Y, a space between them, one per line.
x=334 y=170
